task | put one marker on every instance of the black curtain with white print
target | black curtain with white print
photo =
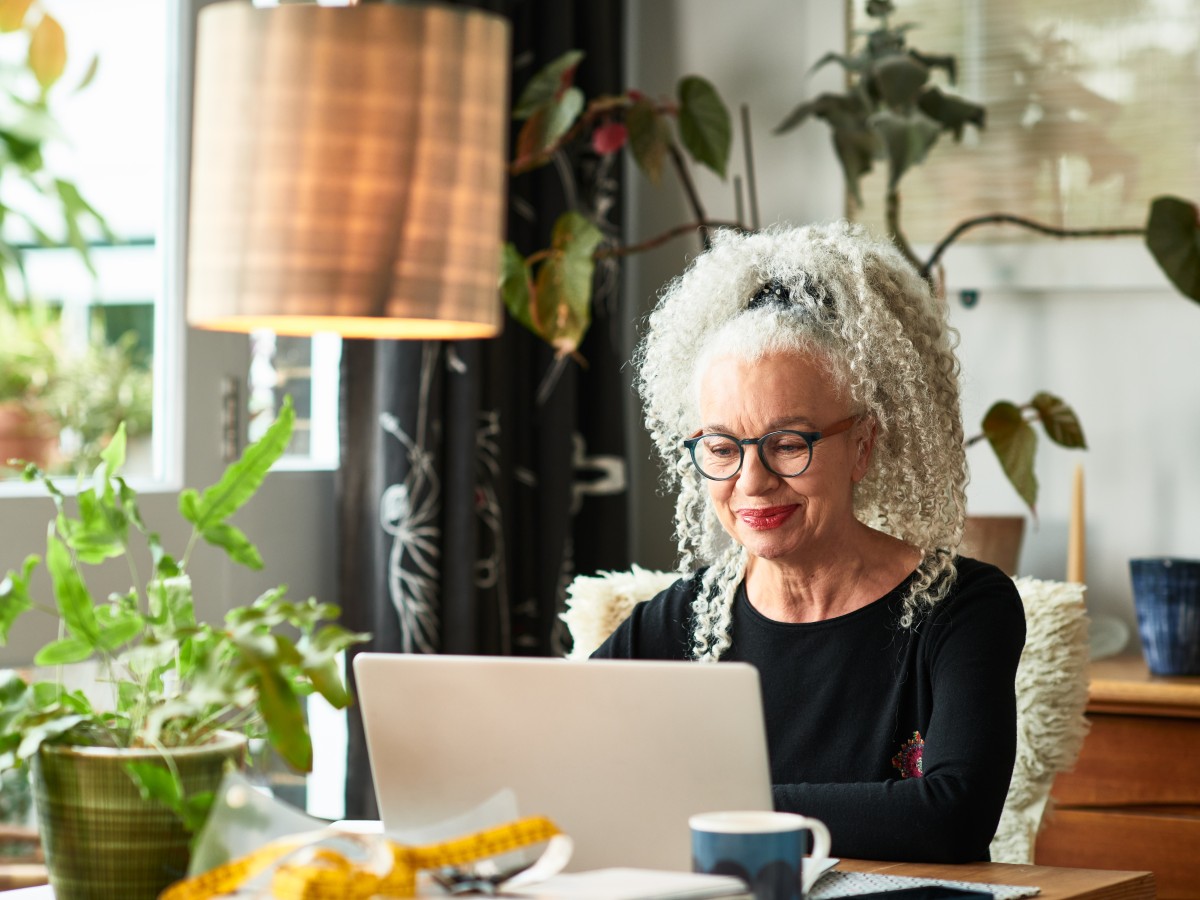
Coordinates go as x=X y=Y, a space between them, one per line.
x=478 y=477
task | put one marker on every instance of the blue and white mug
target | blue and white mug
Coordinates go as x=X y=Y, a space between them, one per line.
x=764 y=849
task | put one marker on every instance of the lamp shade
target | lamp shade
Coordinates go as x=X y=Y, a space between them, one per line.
x=348 y=170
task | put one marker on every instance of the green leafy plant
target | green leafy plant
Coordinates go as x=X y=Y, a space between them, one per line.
x=549 y=291
x=46 y=202
x=82 y=394
x=894 y=111
x=1008 y=428
x=84 y=391
x=172 y=680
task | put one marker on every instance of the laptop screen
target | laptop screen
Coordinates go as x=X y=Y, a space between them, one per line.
x=618 y=753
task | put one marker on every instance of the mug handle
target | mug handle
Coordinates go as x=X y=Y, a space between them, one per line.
x=820 y=851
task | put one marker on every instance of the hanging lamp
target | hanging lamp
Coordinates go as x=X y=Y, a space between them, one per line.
x=348 y=170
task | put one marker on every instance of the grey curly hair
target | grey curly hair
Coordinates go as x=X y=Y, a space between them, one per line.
x=856 y=303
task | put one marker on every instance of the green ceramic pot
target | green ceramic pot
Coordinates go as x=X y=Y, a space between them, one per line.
x=102 y=840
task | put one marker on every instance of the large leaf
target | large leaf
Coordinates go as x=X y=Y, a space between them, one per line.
x=897 y=81
x=241 y=479
x=284 y=717
x=953 y=113
x=649 y=138
x=12 y=14
x=101 y=530
x=704 y=125
x=32 y=736
x=14 y=595
x=547 y=125
x=64 y=652
x=564 y=283
x=853 y=138
x=70 y=593
x=13 y=696
x=515 y=286
x=75 y=209
x=321 y=661
x=1061 y=424
x=547 y=84
x=235 y=543
x=113 y=455
x=48 y=51
x=155 y=781
x=1173 y=236
x=906 y=139
x=1015 y=443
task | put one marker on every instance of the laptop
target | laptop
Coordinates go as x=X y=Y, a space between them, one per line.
x=618 y=753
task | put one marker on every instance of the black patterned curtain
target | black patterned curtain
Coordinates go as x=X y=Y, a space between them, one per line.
x=478 y=477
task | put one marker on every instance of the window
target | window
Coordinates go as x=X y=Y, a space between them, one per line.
x=1087 y=112
x=91 y=336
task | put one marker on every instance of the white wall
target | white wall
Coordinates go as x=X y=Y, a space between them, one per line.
x=1094 y=323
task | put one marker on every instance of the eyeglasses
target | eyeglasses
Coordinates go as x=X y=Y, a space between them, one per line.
x=784 y=453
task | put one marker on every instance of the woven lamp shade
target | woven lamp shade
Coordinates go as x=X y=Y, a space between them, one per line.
x=348 y=170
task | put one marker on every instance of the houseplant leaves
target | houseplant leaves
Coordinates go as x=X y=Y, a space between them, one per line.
x=1173 y=237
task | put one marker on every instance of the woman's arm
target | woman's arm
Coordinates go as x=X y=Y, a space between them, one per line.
x=949 y=814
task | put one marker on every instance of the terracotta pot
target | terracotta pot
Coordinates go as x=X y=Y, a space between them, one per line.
x=102 y=840
x=26 y=435
x=994 y=539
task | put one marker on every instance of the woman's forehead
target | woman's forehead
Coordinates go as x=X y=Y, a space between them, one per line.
x=781 y=384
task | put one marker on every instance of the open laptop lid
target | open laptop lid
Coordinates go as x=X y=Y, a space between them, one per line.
x=618 y=753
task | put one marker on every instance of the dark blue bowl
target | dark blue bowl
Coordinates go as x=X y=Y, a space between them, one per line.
x=1166 y=597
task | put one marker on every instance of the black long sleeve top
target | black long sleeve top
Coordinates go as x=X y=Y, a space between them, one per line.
x=901 y=740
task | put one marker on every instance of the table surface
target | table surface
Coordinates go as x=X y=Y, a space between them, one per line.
x=1123 y=684
x=1055 y=883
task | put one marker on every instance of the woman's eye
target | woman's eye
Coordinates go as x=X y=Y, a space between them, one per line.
x=720 y=449
x=789 y=446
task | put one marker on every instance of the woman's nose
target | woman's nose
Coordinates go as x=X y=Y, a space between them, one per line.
x=755 y=478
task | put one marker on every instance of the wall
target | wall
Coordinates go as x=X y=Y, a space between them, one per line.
x=1092 y=322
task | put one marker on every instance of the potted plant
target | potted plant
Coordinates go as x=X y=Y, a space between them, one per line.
x=27 y=364
x=118 y=786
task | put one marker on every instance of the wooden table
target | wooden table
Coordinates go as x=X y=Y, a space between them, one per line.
x=1055 y=883
x=1133 y=799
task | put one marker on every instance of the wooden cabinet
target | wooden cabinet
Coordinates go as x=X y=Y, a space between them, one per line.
x=1133 y=799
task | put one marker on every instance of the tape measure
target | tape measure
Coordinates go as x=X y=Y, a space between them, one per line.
x=326 y=874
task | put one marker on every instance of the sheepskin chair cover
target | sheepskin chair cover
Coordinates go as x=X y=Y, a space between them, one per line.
x=1051 y=683
x=597 y=604
x=1052 y=690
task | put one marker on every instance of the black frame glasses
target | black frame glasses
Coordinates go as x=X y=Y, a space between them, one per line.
x=809 y=438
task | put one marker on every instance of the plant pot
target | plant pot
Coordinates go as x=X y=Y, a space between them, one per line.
x=994 y=539
x=31 y=436
x=101 y=839
x=1166 y=597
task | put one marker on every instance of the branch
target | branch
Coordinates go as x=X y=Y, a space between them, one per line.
x=1004 y=218
x=660 y=239
x=898 y=238
x=689 y=188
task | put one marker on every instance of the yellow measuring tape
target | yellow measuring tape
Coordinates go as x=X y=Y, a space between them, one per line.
x=329 y=875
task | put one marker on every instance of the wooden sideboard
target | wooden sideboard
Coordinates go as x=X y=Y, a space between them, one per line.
x=1133 y=799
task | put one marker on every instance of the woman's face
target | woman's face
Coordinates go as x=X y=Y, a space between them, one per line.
x=774 y=517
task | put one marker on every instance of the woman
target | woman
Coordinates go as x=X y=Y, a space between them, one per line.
x=800 y=384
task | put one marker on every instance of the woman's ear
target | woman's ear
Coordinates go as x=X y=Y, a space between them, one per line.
x=864 y=442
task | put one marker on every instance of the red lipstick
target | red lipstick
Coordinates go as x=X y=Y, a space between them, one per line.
x=766 y=518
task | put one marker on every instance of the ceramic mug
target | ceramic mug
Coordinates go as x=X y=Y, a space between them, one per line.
x=764 y=849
